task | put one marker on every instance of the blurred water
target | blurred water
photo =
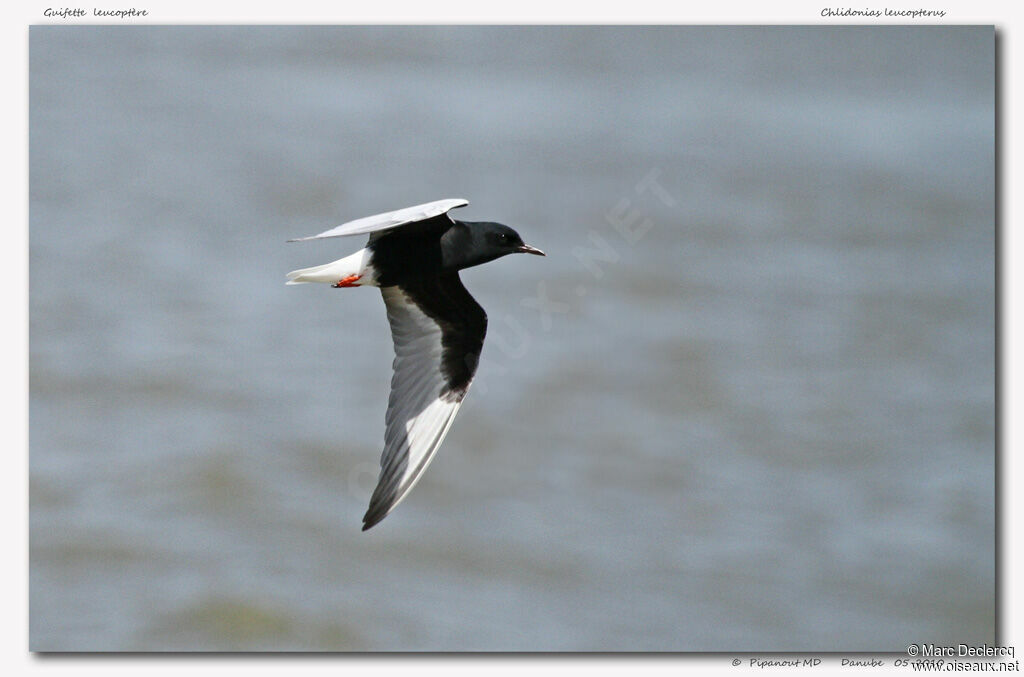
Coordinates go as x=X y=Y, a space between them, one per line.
x=762 y=421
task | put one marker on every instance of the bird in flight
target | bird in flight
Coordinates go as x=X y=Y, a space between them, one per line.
x=414 y=255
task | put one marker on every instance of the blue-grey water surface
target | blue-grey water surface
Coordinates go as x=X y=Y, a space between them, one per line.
x=745 y=403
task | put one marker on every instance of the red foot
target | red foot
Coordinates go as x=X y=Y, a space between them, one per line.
x=349 y=281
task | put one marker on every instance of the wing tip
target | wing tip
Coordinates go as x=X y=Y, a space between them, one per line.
x=373 y=517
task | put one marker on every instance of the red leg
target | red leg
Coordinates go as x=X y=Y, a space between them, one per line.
x=349 y=281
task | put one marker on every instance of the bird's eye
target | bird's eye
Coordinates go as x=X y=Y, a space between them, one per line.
x=504 y=236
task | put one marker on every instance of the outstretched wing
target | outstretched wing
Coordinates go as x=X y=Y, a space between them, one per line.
x=438 y=331
x=389 y=220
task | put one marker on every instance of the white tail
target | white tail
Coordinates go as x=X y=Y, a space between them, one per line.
x=315 y=274
x=355 y=265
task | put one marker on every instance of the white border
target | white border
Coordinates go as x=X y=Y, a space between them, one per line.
x=14 y=40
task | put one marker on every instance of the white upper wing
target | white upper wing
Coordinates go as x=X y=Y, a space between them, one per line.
x=389 y=220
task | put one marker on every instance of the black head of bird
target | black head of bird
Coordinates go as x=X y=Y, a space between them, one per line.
x=470 y=243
